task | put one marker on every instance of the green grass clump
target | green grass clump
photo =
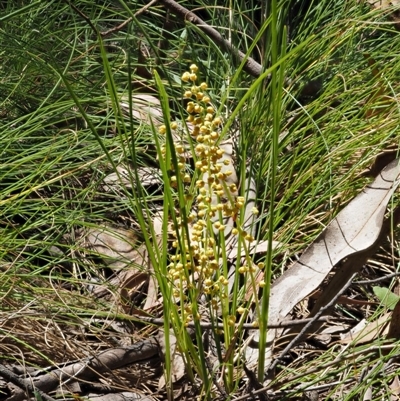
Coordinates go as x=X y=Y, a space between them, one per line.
x=303 y=135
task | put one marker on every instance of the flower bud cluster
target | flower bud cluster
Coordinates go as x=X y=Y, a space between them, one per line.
x=196 y=264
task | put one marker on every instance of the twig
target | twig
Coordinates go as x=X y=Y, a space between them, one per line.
x=377 y=280
x=251 y=66
x=310 y=323
x=337 y=361
x=208 y=325
x=94 y=366
x=254 y=383
x=23 y=384
x=120 y=26
x=87 y=19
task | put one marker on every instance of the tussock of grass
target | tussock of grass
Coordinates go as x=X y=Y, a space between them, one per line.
x=308 y=133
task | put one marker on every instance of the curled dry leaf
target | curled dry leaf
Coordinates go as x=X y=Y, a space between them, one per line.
x=116 y=246
x=365 y=332
x=355 y=229
x=145 y=108
x=124 y=179
x=177 y=362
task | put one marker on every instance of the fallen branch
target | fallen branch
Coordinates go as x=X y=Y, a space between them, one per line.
x=251 y=66
x=23 y=384
x=90 y=368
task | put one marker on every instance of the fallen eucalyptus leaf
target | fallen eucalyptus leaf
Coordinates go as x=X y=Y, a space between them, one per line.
x=355 y=229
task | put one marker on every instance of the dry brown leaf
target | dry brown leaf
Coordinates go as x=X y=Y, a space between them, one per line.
x=391 y=7
x=177 y=363
x=354 y=229
x=395 y=389
x=153 y=299
x=146 y=108
x=366 y=332
x=114 y=245
x=394 y=325
x=124 y=178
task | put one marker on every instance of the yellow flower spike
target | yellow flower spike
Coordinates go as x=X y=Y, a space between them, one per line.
x=203 y=86
x=261 y=284
x=235 y=231
x=194 y=89
x=202 y=206
x=187 y=94
x=174 y=125
x=199 y=148
x=162 y=129
x=185 y=76
x=210 y=110
x=249 y=238
x=198 y=109
x=219 y=206
x=195 y=132
x=194 y=68
x=187 y=178
x=180 y=148
x=190 y=119
x=261 y=265
x=241 y=310
x=206 y=99
x=217 y=121
x=255 y=211
x=199 y=96
x=208 y=282
x=214 y=303
x=193 y=77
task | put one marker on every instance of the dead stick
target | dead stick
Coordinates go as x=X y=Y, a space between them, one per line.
x=209 y=325
x=23 y=384
x=123 y=24
x=310 y=323
x=251 y=66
